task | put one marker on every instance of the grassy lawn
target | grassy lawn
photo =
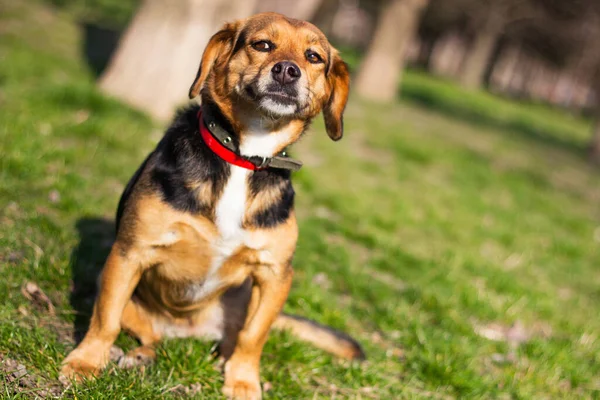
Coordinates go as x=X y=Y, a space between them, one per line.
x=455 y=234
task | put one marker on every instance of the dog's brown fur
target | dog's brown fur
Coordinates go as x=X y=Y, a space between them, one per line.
x=154 y=282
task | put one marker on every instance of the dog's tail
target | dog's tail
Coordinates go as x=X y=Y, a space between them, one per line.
x=321 y=336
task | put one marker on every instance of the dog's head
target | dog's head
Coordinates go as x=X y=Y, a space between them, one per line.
x=281 y=67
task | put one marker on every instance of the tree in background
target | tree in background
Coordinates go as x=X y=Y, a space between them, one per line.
x=475 y=29
x=578 y=24
x=304 y=9
x=380 y=72
x=486 y=19
x=589 y=54
x=159 y=53
x=540 y=49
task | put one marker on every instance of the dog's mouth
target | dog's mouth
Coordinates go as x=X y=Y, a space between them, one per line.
x=282 y=98
x=282 y=94
x=275 y=99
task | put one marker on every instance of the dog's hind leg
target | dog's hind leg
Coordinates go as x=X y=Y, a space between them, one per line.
x=137 y=321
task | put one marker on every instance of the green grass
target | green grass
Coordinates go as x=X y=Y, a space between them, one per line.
x=523 y=118
x=432 y=218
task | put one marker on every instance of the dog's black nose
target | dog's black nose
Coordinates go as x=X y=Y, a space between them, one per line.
x=285 y=72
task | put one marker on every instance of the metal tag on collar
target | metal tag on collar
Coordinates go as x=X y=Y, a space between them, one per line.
x=264 y=162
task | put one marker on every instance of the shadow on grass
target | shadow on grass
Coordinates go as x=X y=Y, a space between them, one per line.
x=96 y=236
x=481 y=114
x=98 y=45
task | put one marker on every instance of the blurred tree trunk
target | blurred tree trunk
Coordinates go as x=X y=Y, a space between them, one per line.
x=324 y=15
x=304 y=9
x=503 y=69
x=159 y=53
x=594 y=147
x=380 y=73
x=480 y=52
x=447 y=55
x=425 y=51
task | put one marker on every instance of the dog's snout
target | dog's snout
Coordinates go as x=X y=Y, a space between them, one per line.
x=285 y=72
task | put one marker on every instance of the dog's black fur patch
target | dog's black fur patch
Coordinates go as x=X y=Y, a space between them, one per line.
x=182 y=161
x=280 y=211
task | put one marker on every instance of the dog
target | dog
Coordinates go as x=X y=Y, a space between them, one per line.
x=206 y=229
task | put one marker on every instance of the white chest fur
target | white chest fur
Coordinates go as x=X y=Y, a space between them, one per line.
x=229 y=214
x=231 y=206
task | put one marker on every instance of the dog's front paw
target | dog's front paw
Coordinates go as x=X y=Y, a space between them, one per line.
x=77 y=370
x=241 y=381
x=80 y=365
x=242 y=390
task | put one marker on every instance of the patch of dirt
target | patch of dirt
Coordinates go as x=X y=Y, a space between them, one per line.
x=45 y=313
x=12 y=257
x=18 y=380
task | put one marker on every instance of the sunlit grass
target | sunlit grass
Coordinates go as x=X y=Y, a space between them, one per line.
x=416 y=230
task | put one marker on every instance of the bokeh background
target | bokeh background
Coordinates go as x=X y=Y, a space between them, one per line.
x=454 y=230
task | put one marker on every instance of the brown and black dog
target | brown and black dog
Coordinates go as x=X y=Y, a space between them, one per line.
x=204 y=245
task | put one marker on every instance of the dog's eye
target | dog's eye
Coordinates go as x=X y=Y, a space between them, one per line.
x=263 y=46
x=313 y=57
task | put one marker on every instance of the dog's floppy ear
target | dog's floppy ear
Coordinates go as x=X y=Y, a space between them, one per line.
x=338 y=79
x=218 y=49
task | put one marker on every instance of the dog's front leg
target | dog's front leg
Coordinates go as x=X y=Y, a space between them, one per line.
x=272 y=285
x=119 y=278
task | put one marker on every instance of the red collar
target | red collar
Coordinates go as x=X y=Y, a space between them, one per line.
x=227 y=155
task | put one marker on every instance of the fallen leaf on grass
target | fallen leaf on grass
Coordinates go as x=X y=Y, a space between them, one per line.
x=322 y=280
x=395 y=353
x=509 y=358
x=37 y=297
x=515 y=334
x=54 y=196
x=81 y=116
x=267 y=386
